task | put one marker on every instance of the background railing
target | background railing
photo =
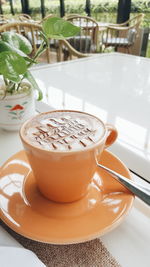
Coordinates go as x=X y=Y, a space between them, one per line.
x=111 y=11
x=42 y=7
x=101 y=10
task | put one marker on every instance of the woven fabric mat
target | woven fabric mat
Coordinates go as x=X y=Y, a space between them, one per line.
x=88 y=254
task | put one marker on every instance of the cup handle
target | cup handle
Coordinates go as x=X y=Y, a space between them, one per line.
x=112 y=135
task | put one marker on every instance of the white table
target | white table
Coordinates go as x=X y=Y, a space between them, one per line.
x=115 y=87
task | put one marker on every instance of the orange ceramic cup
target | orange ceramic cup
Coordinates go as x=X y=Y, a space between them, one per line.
x=64 y=176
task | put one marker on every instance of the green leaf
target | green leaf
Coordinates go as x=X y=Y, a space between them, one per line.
x=8 y=106
x=30 y=60
x=12 y=112
x=43 y=36
x=58 y=28
x=18 y=41
x=12 y=65
x=4 y=46
x=31 y=79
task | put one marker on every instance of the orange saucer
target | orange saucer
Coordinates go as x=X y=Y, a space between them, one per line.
x=27 y=212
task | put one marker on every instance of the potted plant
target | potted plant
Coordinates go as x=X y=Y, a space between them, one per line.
x=17 y=84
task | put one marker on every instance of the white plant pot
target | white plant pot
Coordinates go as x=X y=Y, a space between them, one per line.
x=16 y=109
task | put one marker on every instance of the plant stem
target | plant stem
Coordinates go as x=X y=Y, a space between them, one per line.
x=18 y=85
x=11 y=87
x=5 y=81
x=40 y=50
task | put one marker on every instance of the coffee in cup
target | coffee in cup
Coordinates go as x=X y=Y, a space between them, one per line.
x=62 y=147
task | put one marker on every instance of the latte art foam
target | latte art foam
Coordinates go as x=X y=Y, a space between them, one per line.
x=64 y=130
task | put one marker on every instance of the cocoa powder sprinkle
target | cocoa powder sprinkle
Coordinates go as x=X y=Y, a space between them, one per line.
x=59 y=130
x=82 y=143
x=54 y=146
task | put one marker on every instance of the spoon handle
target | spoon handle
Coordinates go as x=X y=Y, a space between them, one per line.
x=138 y=190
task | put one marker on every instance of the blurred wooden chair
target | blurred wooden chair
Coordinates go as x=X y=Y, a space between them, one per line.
x=46 y=17
x=122 y=36
x=3 y=19
x=87 y=40
x=67 y=52
x=67 y=16
x=30 y=30
x=32 y=33
x=24 y=17
x=130 y=22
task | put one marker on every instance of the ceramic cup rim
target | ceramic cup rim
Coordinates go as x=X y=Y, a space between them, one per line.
x=25 y=140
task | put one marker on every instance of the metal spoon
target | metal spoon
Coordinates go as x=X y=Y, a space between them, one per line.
x=140 y=191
